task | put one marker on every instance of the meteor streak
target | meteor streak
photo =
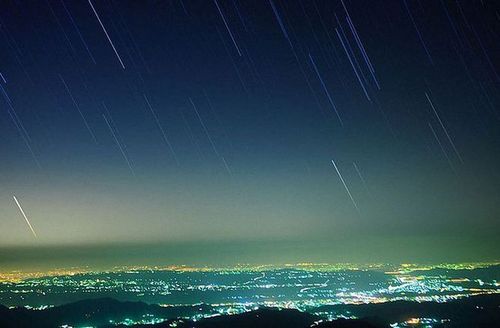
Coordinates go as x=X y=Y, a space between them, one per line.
x=119 y=145
x=227 y=27
x=325 y=89
x=444 y=128
x=24 y=215
x=345 y=186
x=361 y=178
x=165 y=138
x=107 y=35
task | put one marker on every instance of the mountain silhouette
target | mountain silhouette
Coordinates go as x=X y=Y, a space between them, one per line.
x=266 y=318
x=96 y=312
x=476 y=311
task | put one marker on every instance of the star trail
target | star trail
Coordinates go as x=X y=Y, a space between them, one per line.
x=318 y=130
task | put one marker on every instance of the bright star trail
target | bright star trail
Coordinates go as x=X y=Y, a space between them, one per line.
x=345 y=186
x=161 y=129
x=122 y=150
x=107 y=35
x=25 y=217
x=227 y=28
x=444 y=128
x=325 y=89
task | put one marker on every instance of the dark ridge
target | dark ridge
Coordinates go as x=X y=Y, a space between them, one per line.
x=471 y=312
x=95 y=312
x=476 y=311
x=266 y=318
x=353 y=323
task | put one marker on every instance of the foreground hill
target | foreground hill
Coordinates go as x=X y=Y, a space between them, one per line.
x=94 y=312
x=266 y=318
x=478 y=311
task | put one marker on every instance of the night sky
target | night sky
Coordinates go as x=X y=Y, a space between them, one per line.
x=316 y=130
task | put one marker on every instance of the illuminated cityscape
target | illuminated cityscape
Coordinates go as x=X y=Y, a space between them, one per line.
x=306 y=287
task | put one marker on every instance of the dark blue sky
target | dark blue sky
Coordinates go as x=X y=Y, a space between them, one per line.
x=205 y=121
